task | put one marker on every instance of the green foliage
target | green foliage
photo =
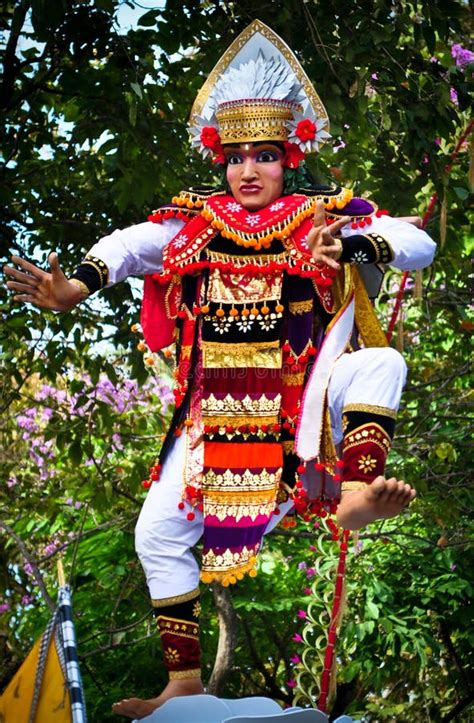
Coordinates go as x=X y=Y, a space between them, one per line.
x=94 y=137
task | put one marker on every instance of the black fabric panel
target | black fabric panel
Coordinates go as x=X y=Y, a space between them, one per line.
x=358 y=249
x=357 y=419
x=180 y=611
x=89 y=276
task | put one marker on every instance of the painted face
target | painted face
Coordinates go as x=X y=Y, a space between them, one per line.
x=254 y=173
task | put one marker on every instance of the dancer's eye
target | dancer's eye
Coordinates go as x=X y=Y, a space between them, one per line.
x=268 y=156
x=234 y=158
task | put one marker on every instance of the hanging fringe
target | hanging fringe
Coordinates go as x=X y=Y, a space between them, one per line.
x=443 y=219
x=418 y=289
x=400 y=333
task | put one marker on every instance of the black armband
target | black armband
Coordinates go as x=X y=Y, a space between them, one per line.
x=92 y=272
x=370 y=248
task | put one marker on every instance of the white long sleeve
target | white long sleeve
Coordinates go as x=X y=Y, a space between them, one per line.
x=413 y=248
x=136 y=250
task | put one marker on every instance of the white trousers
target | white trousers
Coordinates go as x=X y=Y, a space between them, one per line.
x=164 y=536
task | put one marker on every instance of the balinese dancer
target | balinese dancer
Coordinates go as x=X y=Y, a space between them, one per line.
x=286 y=391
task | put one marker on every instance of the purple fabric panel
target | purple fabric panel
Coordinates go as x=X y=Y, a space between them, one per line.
x=357 y=207
x=221 y=538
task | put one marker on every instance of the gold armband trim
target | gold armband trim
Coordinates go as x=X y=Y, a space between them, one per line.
x=183 y=674
x=371 y=409
x=81 y=286
x=175 y=599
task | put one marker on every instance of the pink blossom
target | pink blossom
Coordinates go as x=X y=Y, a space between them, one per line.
x=302 y=614
x=462 y=56
x=297 y=638
x=295 y=659
x=313 y=548
x=12 y=481
x=310 y=572
x=4 y=607
x=307 y=591
x=374 y=76
x=291 y=683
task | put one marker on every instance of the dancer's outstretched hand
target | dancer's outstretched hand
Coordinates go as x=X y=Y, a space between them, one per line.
x=48 y=290
x=320 y=239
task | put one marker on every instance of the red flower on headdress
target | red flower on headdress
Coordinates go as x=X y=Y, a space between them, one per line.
x=210 y=138
x=293 y=155
x=306 y=130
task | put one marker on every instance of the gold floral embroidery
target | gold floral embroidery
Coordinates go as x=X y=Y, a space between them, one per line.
x=172 y=656
x=265 y=355
x=230 y=288
x=230 y=405
x=368 y=433
x=229 y=481
x=196 y=609
x=180 y=628
x=293 y=380
x=301 y=307
x=288 y=446
x=238 y=420
x=238 y=511
x=229 y=560
x=367 y=463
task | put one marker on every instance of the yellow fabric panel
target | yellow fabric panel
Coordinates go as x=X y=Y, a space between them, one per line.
x=54 y=704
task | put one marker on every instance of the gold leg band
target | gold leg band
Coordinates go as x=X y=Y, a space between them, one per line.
x=352 y=486
x=175 y=599
x=183 y=674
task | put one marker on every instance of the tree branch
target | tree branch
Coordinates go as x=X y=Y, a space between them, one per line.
x=228 y=630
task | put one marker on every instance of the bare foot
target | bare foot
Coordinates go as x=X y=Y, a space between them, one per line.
x=381 y=499
x=139 y=708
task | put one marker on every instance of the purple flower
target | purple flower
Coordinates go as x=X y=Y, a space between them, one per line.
x=78 y=505
x=28 y=568
x=12 y=481
x=295 y=659
x=27 y=599
x=297 y=638
x=462 y=56
x=301 y=614
x=301 y=566
x=374 y=76
x=4 y=607
x=453 y=567
x=454 y=96
x=310 y=572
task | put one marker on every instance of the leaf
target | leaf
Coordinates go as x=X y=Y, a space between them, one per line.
x=149 y=19
x=137 y=89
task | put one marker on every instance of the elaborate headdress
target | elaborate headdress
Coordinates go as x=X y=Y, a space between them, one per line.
x=258 y=91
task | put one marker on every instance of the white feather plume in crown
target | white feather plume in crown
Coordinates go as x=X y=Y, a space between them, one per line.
x=258 y=78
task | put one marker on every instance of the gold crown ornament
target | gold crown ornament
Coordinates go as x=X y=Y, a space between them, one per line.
x=258 y=91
